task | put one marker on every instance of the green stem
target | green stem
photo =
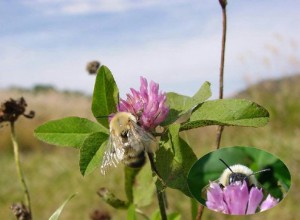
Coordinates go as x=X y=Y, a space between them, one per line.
x=19 y=170
x=161 y=202
x=130 y=175
x=160 y=194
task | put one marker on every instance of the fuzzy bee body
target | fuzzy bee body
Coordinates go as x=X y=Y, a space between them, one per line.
x=237 y=173
x=127 y=143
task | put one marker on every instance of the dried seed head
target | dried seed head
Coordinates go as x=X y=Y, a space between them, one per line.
x=93 y=66
x=20 y=211
x=100 y=215
x=12 y=109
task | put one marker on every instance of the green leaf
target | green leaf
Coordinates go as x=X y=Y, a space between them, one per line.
x=236 y=112
x=194 y=208
x=144 y=187
x=131 y=212
x=182 y=106
x=203 y=93
x=57 y=213
x=174 y=160
x=91 y=153
x=69 y=132
x=105 y=96
x=174 y=216
x=155 y=215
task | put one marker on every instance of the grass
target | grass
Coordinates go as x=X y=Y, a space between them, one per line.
x=52 y=173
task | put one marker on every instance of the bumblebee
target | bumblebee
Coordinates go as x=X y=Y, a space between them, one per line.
x=236 y=173
x=128 y=142
x=239 y=173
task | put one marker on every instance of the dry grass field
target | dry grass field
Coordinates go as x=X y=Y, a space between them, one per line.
x=52 y=173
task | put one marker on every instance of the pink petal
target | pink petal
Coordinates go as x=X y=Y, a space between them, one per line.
x=215 y=199
x=144 y=89
x=236 y=197
x=147 y=105
x=154 y=88
x=135 y=93
x=255 y=197
x=268 y=203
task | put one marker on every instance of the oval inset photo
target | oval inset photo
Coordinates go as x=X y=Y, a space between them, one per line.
x=239 y=180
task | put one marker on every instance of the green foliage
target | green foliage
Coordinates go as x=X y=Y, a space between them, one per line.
x=194 y=208
x=171 y=216
x=131 y=212
x=69 y=132
x=143 y=188
x=130 y=176
x=57 y=213
x=181 y=107
x=173 y=159
x=229 y=112
x=91 y=152
x=105 y=96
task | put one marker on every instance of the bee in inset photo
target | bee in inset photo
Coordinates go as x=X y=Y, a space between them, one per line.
x=234 y=174
x=239 y=180
x=128 y=142
x=239 y=173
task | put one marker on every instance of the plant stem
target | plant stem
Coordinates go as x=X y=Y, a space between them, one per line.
x=161 y=202
x=160 y=194
x=223 y=4
x=200 y=212
x=130 y=175
x=19 y=170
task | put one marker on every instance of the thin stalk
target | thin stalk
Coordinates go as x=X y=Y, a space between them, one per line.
x=161 y=197
x=19 y=169
x=161 y=202
x=200 y=212
x=223 y=4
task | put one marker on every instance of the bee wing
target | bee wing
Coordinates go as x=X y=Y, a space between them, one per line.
x=139 y=137
x=113 y=153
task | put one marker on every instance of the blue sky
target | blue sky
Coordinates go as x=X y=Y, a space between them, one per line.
x=175 y=43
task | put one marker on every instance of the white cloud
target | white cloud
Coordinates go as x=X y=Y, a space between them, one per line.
x=178 y=64
x=90 y=6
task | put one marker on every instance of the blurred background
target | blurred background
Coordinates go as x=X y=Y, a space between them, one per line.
x=45 y=46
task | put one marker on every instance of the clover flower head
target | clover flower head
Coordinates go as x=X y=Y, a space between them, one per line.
x=237 y=199
x=148 y=105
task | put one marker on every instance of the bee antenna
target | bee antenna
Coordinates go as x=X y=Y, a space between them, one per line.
x=260 y=171
x=226 y=165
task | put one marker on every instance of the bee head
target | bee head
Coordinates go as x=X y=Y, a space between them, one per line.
x=124 y=133
x=240 y=173
x=238 y=177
